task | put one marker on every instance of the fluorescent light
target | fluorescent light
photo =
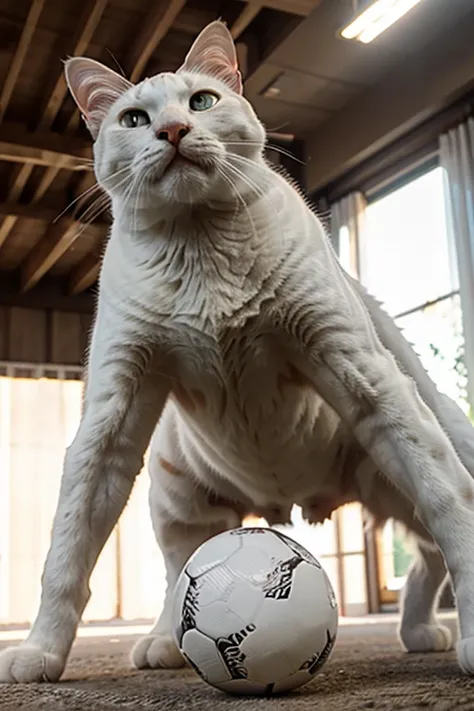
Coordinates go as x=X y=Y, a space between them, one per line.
x=378 y=17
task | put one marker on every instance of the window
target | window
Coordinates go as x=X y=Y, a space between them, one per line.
x=407 y=262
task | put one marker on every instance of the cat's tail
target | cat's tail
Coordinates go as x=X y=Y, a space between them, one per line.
x=450 y=416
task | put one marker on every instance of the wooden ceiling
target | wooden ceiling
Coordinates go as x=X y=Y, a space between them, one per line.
x=48 y=250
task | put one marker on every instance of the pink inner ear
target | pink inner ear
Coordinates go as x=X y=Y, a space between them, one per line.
x=213 y=53
x=215 y=63
x=94 y=88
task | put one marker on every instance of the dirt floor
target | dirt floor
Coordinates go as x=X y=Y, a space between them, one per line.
x=367 y=671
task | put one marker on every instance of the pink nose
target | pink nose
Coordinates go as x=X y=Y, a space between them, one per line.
x=173 y=132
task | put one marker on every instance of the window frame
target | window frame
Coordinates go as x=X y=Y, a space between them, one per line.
x=389 y=598
x=385 y=188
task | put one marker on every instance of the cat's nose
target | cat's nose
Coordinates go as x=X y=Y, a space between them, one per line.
x=173 y=132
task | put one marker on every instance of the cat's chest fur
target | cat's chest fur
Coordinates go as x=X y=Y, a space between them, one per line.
x=205 y=301
x=250 y=411
x=206 y=274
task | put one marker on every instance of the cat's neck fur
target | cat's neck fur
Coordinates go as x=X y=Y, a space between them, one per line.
x=199 y=261
x=230 y=233
x=136 y=214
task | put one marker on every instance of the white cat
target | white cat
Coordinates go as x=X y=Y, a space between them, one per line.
x=224 y=313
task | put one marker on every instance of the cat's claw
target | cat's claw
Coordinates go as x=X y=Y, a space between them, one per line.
x=156 y=652
x=427 y=638
x=27 y=663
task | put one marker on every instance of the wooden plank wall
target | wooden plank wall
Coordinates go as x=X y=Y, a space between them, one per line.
x=31 y=462
x=129 y=580
x=30 y=335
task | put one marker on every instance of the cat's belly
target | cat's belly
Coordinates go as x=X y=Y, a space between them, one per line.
x=275 y=442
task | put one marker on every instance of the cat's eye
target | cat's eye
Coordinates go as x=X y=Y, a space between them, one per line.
x=134 y=118
x=203 y=100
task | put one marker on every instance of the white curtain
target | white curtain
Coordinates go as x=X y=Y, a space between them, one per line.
x=457 y=159
x=347 y=229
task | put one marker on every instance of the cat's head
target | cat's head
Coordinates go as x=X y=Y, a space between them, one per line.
x=185 y=137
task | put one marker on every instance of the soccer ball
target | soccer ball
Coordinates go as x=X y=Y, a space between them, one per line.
x=254 y=612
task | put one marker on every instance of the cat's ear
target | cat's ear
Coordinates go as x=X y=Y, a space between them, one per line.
x=94 y=88
x=213 y=53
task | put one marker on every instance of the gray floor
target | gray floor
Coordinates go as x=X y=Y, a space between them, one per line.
x=368 y=670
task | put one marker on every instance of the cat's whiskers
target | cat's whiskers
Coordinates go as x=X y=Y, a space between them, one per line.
x=239 y=197
x=251 y=184
x=249 y=162
x=141 y=188
x=97 y=208
x=246 y=179
x=135 y=207
x=90 y=191
x=270 y=146
x=94 y=188
x=129 y=192
x=102 y=201
x=252 y=164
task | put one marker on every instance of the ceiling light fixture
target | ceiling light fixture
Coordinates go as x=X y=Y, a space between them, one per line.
x=376 y=18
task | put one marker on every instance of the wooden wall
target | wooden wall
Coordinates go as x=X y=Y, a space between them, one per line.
x=29 y=335
x=129 y=580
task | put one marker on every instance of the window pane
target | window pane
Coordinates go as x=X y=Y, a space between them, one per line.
x=436 y=334
x=405 y=258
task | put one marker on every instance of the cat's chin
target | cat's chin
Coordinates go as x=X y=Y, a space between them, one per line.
x=181 y=162
x=184 y=182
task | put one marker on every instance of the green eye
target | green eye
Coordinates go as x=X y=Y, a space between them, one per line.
x=203 y=100
x=134 y=118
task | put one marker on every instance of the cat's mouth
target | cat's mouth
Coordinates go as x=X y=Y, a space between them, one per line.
x=175 y=160
x=179 y=160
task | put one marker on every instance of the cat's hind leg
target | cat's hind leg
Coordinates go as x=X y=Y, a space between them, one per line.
x=419 y=629
x=381 y=405
x=184 y=515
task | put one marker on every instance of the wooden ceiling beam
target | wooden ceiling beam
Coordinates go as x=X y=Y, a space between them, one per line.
x=88 y=25
x=50 y=150
x=260 y=50
x=84 y=193
x=92 y=14
x=44 y=212
x=6 y=227
x=17 y=135
x=29 y=212
x=85 y=274
x=248 y=14
x=30 y=155
x=58 y=239
x=293 y=7
x=14 y=70
x=155 y=27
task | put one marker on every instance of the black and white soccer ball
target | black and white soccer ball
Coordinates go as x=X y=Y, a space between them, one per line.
x=254 y=612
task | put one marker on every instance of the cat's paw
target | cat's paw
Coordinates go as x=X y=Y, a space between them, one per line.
x=27 y=663
x=427 y=638
x=156 y=652
x=465 y=651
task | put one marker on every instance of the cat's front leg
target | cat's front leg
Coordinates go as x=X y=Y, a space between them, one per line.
x=340 y=353
x=124 y=397
x=178 y=540
x=184 y=514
